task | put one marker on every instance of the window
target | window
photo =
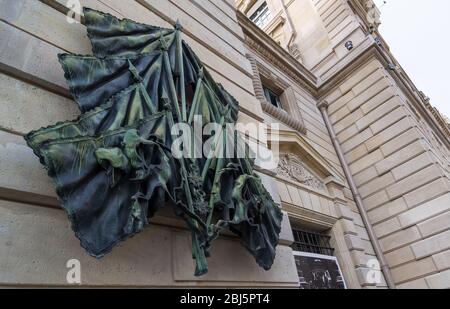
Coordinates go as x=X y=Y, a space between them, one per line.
x=317 y=268
x=277 y=97
x=312 y=242
x=261 y=16
x=272 y=97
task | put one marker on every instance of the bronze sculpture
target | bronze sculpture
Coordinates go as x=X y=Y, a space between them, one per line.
x=113 y=166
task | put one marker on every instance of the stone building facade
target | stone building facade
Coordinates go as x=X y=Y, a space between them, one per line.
x=365 y=162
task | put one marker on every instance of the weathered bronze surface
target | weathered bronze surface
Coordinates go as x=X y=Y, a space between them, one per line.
x=113 y=166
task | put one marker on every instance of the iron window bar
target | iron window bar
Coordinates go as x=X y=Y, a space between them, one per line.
x=312 y=242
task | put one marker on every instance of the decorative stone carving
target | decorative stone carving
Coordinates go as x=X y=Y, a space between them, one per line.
x=368 y=13
x=293 y=168
x=441 y=119
x=373 y=16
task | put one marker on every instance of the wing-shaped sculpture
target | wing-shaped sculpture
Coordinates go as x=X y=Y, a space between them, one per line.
x=114 y=167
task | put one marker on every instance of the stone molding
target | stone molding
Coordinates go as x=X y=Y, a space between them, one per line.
x=296 y=121
x=292 y=167
x=368 y=12
x=295 y=143
x=300 y=215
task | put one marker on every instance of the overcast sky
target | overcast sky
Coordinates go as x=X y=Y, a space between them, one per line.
x=417 y=32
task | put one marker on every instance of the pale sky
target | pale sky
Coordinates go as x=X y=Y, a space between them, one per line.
x=417 y=32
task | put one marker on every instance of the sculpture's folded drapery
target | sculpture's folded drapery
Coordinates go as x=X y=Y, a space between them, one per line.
x=114 y=166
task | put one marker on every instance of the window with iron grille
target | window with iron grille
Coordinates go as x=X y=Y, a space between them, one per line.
x=312 y=242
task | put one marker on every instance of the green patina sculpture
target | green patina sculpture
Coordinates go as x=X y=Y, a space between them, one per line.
x=113 y=166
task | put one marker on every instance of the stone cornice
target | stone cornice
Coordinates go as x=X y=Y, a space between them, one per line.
x=348 y=65
x=359 y=9
x=439 y=118
x=368 y=13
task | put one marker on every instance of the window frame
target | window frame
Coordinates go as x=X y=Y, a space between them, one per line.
x=262 y=15
x=289 y=113
x=272 y=95
x=312 y=242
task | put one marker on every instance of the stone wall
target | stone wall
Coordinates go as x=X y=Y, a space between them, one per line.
x=400 y=172
x=397 y=150
x=35 y=237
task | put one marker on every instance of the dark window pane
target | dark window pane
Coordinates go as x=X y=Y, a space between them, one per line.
x=272 y=97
